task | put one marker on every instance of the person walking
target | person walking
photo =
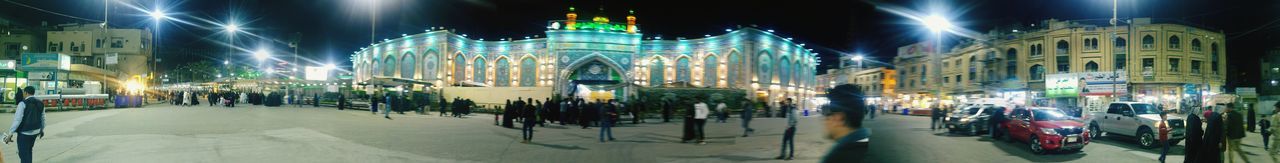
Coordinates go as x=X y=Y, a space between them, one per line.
x=342 y=101
x=1195 y=138
x=1235 y=132
x=1211 y=148
x=722 y=114
x=997 y=117
x=700 y=119
x=443 y=104
x=1273 y=130
x=844 y=125
x=789 y=135
x=1164 y=129
x=386 y=113
x=934 y=118
x=564 y=107
x=530 y=117
x=748 y=110
x=28 y=124
x=607 y=112
x=1265 y=125
x=666 y=110
x=1250 y=118
x=373 y=107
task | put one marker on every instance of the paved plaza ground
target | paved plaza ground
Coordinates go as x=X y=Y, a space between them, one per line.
x=167 y=133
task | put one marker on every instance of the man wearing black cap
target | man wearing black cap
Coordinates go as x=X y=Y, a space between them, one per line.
x=844 y=125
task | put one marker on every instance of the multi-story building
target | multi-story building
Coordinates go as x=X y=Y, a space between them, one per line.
x=1173 y=66
x=593 y=59
x=878 y=83
x=102 y=54
x=1269 y=89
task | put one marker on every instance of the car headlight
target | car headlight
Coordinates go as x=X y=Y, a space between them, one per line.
x=1049 y=131
x=965 y=120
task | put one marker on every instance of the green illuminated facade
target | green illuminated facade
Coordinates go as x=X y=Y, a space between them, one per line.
x=579 y=56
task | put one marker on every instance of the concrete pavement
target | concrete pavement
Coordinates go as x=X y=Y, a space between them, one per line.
x=166 y=133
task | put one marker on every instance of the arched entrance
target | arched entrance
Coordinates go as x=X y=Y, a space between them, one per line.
x=594 y=78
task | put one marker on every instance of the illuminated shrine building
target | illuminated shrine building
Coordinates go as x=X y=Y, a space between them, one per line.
x=590 y=58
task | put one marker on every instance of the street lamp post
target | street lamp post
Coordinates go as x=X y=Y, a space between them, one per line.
x=936 y=24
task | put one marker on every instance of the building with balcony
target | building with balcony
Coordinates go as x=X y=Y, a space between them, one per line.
x=1174 y=65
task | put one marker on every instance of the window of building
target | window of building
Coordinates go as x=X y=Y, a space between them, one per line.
x=1037 y=72
x=958 y=78
x=1173 y=64
x=1064 y=64
x=946 y=79
x=1195 y=45
x=1148 y=42
x=1091 y=67
x=1174 y=43
x=973 y=67
x=1034 y=51
x=1195 y=66
x=1119 y=53
x=1213 y=63
x=1011 y=64
x=1063 y=47
x=117 y=42
x=97 y=43
x=53 y=47
x=1091 y=43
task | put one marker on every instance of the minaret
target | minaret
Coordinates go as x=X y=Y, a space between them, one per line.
x=571 y=19
x=631 y=21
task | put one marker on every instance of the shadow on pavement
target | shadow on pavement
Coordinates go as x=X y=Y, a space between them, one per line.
x=1022 y=149
x=1131 y=144
x=732 y=158
x=560 y=147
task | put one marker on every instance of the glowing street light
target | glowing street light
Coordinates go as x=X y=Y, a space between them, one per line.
x=936 y=23
x=158 y=15
x=858 y=58
x=330 y=66
x=261 y=54
x=231 y=28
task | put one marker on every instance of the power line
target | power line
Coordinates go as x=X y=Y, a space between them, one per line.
x=51 y=12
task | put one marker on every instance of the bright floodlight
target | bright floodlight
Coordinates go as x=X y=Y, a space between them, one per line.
x=158 y=15
x=330 y=66
x=232 y=28
x=260 y=54
x=936 y=23
x=226 y=62
x=857 y=58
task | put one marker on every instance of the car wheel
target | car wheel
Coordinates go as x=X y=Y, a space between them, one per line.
x=1035 y=146
x=1146 y=138
x=1096 y=132
x=973 y=129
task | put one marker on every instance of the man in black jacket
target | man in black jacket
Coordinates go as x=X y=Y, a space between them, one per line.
x=28 y=124
x=844 y=124
x=997 y=117
x=1235 y=132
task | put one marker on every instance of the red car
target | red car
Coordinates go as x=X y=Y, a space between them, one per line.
x=1046 y=129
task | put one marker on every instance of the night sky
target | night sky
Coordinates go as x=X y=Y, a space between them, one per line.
x=332 y=29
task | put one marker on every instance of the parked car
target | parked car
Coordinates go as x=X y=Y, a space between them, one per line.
x=970 y=119
x=1046 y=129
x=1135 y=119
